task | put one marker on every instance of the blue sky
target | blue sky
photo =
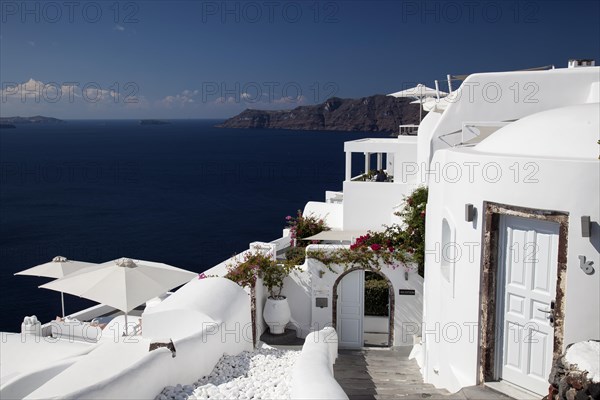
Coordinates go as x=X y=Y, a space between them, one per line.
x=212 y=59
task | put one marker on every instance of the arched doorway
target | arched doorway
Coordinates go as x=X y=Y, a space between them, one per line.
x=348 y=291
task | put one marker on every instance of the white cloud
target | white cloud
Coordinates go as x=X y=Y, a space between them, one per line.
x=180 y=100
x=290 y=100
x=91 y=93
x=119 y=28
x=31 y=43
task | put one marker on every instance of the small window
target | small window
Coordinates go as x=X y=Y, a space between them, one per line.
x=446 y=251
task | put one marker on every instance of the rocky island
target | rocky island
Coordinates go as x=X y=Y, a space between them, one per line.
x=378 y=113
x=38 y=119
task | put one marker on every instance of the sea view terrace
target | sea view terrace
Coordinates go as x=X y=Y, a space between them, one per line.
x=394 y=157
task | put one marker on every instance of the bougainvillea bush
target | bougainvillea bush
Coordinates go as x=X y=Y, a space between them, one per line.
x=303 y=227
x=258 y=265
x=413 y=215
x=392 y=247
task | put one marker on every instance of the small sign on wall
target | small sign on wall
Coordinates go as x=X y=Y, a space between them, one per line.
x=407 y=292
x=321 y=302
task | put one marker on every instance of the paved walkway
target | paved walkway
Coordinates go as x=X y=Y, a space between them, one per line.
x=384 y=374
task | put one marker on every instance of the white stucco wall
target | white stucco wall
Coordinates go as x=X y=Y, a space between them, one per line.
x=408 y=308
x=331 y=213
x=312 y=376
x=370 y=205
x=296 y=288
x=550 y=184
x=376 y=324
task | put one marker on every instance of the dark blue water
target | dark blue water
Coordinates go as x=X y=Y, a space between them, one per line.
x=186 y=194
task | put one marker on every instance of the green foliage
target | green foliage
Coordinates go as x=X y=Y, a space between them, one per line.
x=273 y=275
x=377 y=295
x=392 y=246
x=413 y=214
x=258 y=265
x=295 y=255
x=303 y=227
x=368 y=252
x=244 y=273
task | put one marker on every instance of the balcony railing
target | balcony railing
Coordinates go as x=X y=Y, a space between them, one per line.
x=371 y=176
x=408 y=130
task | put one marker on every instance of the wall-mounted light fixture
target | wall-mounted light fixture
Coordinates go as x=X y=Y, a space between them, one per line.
x=586 y=226
x=469 y=212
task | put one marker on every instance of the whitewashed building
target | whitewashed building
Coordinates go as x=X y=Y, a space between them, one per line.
x=512 y=237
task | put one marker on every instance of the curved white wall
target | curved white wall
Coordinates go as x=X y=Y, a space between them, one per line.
x=128 y=370
x=504 y=96
x=193 y=307
x=312 y=377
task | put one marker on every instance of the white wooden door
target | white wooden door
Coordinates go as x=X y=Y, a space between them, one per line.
x=528 y=260
x=350 y=309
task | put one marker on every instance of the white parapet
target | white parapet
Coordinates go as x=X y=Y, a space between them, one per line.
x=312 y=377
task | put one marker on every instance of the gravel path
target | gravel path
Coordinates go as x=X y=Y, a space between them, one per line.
x=265 y=373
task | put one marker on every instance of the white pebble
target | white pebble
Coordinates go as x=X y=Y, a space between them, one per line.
x=262 y=374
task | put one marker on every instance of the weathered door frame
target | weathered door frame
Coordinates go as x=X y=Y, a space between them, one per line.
x=489 y=275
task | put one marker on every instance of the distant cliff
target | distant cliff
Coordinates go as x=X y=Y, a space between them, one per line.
x=377 y=113
x=38 y=119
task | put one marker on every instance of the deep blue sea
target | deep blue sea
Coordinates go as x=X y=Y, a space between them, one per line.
x=187 y=194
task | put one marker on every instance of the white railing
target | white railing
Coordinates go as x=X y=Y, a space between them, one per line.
x=408 y=130
x=474 y=132
x=334 y=197
x=371 y=178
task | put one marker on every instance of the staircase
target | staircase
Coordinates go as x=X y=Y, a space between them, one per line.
x=384 y=374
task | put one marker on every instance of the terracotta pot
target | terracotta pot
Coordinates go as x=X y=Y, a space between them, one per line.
x=277 y=314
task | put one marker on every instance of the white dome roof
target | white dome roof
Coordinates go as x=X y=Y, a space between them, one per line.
x=566 y=132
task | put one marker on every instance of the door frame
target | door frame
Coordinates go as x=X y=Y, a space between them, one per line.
x=487 y=370
x=391 y=301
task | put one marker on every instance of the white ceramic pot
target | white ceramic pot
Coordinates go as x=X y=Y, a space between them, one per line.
x=277 y=314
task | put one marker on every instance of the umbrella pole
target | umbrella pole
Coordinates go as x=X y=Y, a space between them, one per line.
x=62 y=301
x=125 y=333
x=420 y=110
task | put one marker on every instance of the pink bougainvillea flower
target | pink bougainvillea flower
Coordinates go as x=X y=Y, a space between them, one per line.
x=375 y=247
x=391 y=249
x=289 y=217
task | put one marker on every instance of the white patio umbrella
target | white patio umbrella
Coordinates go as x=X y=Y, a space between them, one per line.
x=123 y=284
x=58 y=268
x=419 y=92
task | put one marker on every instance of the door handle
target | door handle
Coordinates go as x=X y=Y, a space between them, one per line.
x=550 y=316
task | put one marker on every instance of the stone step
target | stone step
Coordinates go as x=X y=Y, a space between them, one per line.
x=384 y=375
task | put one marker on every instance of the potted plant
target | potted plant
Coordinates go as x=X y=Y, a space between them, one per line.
x=277 y=310
x=258 y=265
